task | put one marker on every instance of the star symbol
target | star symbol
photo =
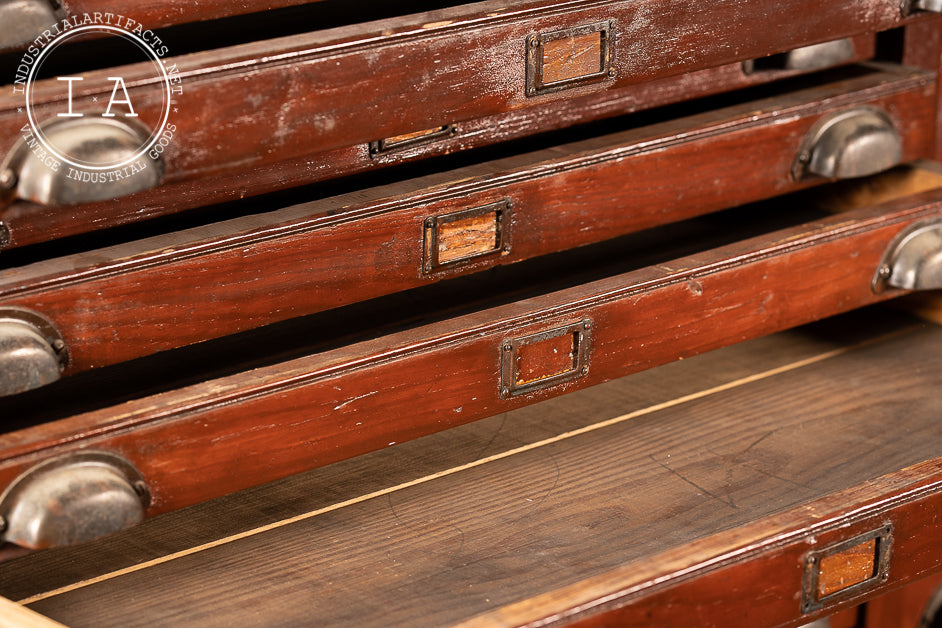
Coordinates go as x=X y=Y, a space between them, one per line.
x=94 y=98
x=175 y=110
x=19 y=110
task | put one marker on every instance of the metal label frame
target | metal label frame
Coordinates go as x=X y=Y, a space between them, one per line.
x=510 y=349
x=810 y=601
x=500 y=209
x=391 y=145
x=535 y=52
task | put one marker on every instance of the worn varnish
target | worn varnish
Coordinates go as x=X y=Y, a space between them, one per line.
x=847 y=568
x=326 y=407
x=306 y=116
x=30 y=223
x=673 y=509
x=142 y=297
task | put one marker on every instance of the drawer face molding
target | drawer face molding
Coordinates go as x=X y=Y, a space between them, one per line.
x=347 y=249
x=223 y=144
x=639 y=319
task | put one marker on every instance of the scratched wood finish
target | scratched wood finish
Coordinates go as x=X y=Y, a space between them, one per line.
x=432 y=455
x=906 y=607
x=713 y=499
x=241 y=274
x=847 y=568
x=30 y=223
x=193 y=444
x=299 y=96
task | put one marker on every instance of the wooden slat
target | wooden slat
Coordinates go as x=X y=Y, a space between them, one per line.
x=240 y=110
x=437 y=454
x=190 y=444
x=13 y=615
x=245 y=273
x=744 y=478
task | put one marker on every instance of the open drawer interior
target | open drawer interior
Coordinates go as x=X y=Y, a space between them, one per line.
x=642 y=492
x=345 y=382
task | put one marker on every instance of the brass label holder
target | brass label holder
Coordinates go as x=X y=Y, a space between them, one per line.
x=570 y=58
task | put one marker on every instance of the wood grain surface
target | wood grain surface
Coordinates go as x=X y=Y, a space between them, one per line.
x=480 y=51
x=288 y=99
x=141 y=297
x=30 y=223
x=662 y=478
x=193 y=443
x=13 y=615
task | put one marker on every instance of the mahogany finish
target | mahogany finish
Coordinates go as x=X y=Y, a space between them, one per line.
x=138 y=298
x=702 y=471
x=191 y=444
x=30 y=223
x=440 y=344
x=306 y=93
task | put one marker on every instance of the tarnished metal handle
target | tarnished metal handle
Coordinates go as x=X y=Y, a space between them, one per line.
x=94 y=140
x=853 y=143
x=32 y=352
x=73 y=499
x=807 y=58
x=911 y=6
x=913 y=260
x=21 y=21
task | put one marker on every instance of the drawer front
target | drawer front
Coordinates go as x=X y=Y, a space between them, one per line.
x=29 y=223
x=117 y=304
x=854 y=546
x=254 y=105
x=213 y=438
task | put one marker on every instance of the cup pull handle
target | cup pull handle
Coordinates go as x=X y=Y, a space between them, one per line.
x=853 y=143
x=913 y=260
x=32 y=353
x=92 y=140
x=72 y=499
x=21 y=21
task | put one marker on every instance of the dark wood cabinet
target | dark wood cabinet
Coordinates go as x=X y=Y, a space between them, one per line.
x=505 y=313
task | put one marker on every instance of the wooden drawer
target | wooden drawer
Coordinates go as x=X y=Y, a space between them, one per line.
x=211 y=438
x=459 y=75
x=694 y=493
x=135 y=299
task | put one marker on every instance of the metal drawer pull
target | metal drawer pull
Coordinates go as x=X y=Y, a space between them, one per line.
x=806 y=58
x=854 y=143
x=32 y=353
x=914 y=259
x=73 y=499
x=911 y=6
x=22 y=20
x=90 y=140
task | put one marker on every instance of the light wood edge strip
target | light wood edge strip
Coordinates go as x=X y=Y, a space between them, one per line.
x=451 y=471
x=13 y=615
x=624 y=584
